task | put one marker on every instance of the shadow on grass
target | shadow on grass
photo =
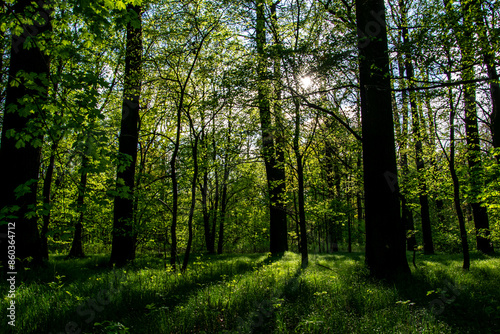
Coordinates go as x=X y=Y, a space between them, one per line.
x=118 y=298
x=468 y=301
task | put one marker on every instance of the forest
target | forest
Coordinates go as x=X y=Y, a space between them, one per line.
x=250 y=166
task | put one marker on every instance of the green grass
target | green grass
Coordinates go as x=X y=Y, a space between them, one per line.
x=256 y=294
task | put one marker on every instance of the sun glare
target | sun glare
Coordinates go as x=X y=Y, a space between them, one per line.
x=306 y=82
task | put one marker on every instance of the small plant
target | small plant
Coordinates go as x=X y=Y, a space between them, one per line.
x=111 y=327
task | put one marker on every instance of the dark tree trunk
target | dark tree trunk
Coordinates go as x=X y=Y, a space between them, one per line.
x=349 y=223
x=76 y=250
x=215 y=207
x=223 y=209
x=47 y=201
x=489 y=61
x=274 y=170
x=359 y=194
x=193 y=203
x=385 y=238
x=417 y=133
x=123 y=245
x=301 y=199
x=456 y=184
x=20 y=166
x=204 y=194
x=472 y=131
x=225 y=180
x=175 y=191
x=206 y=215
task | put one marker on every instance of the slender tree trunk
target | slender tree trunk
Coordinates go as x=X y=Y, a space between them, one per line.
x=349 y=223
x=215 y=204
x=123 y=244
x=274 y=172
x=205 y=213
x=456 y=184
x=300 y=180
x=472 y=131
x=489 y=60
x=173 y=160
x=47 y=200
x=417 y=133
x=20 y=165
x=385 y=238
x=76 y=250
x=225 y=179
x=175 y=190
x=193 y=203
x=204 y=196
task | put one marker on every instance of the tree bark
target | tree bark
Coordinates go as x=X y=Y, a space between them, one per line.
x=123 y=244
x=385 y=238
x=21 y=159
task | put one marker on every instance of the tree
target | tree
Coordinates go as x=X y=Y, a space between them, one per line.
x=385 y=239
x=464 y=39
x=456 y=183
x=26 y=97
x=275 y=172
x=123 y=246
x=417 y=133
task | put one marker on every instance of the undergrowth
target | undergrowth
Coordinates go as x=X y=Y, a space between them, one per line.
x=256 y=293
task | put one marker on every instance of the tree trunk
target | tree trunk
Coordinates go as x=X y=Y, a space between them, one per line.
x=472 y=132
x=76 y=250
x=274 y=171
x=417 y=133
x=385 y=238
x=47 y=200
x=215 y=204
x=123 y=245
x=193 y=203
x=175 y=191
x=300 y=180
x=456 y=184
x=489 y=61
x=225 y=179
x=206 y=215
x=20 y=163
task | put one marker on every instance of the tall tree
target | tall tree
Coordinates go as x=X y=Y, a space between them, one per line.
x=456 y=183
x=123 y=245
x=417 y=133
x=465 y=42
x=21 y=142
x=77 y=244
x=385 y=238
x=275 y=172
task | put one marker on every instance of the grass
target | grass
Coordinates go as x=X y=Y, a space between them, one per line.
x=256 y=294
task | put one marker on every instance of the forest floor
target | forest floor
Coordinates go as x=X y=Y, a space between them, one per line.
x=255 y=293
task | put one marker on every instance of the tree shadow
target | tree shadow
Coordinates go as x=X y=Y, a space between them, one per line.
x=470 y=307
x=116 y=299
